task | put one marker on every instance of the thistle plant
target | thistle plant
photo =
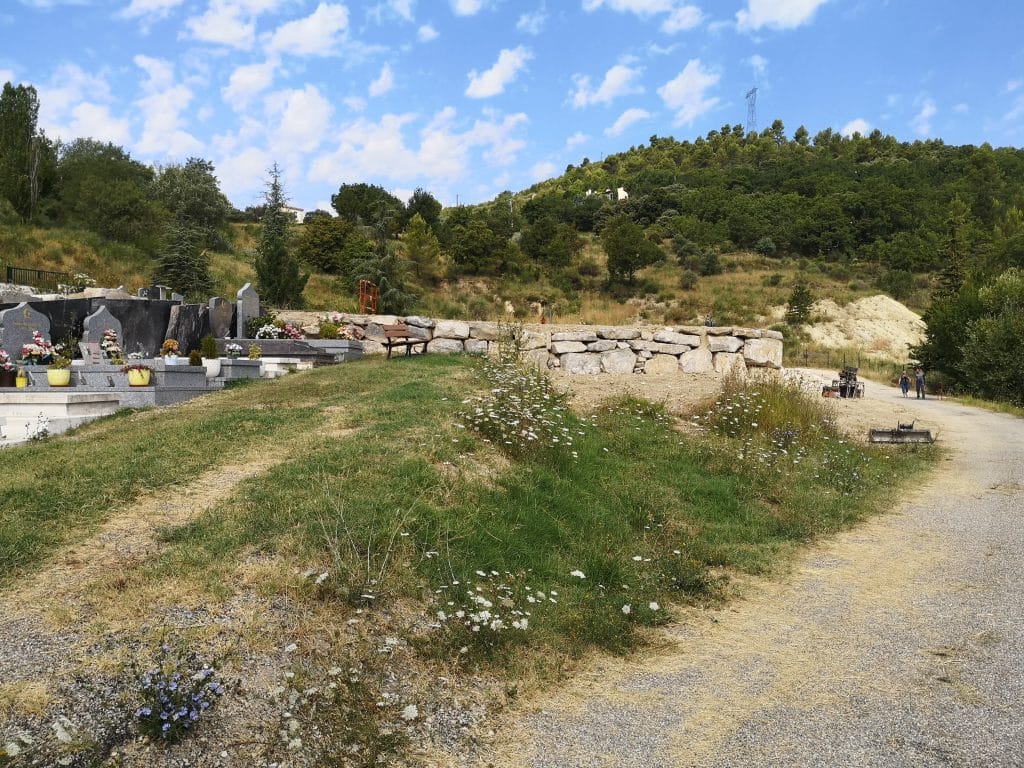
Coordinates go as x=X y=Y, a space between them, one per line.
x=175 y=693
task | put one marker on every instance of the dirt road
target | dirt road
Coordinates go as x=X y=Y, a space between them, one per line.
x=899 y=643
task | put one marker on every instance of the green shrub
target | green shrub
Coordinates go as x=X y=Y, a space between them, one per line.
x=208 y=347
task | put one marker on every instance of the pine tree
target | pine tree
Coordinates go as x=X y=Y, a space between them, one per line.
x=278 y=279
x=183 y=265
x=800 y=301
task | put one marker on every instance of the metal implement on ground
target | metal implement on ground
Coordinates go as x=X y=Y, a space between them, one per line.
x=904 y=433
x=845 y=386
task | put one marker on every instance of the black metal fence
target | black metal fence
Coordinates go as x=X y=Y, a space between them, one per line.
x=39 y=279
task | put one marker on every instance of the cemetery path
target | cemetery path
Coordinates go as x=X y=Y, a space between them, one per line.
x=897 y=643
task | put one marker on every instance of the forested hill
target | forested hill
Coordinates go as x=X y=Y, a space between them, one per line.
x=907 y=206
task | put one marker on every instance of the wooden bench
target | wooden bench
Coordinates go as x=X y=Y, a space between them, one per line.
x=398 y=335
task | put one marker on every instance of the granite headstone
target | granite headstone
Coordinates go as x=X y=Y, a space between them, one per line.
x=221 y=313
x=17 y=326
x=98 y=322
x=248 y=308
x=188 y=323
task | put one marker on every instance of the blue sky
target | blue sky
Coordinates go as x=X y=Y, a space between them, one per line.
x=467 y=98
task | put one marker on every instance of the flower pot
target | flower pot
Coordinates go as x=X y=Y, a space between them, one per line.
x=212 y=366
x=58 y=377
x=7 y=378
x=21 y=381
x=170 y=359
x=139 y=377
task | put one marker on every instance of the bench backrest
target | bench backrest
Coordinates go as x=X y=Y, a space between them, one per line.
x=397 y=331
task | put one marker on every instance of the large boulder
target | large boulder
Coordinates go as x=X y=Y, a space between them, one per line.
x=763 y=353
x=618 y=361
x=581 y=363
x=662 y=364
x=565 y=347
x=451 y=329
x=446 y=346
x=671 y=337
x=724 y=344
x=619 y=334
x=584 y=336
x=697 y=361
x=485 y=331
x=730 y=364
x=603 y=345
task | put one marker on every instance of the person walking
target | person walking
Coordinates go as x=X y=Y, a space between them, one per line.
x=919 y=381
x=904 y=383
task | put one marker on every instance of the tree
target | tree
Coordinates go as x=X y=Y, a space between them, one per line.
x=798 y=309
x=549 y=242
x=627 y=248
x=25 y=153
x=191 y=193
x=278 y=278
x=183 y=264
x=424 y=204
x=103 y=189
x=361 y=204
x=388 y=271
x=423 y=251
x=322 y=242
x=993 y=350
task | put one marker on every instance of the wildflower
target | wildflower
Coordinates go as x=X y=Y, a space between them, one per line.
x=653 y=606
x=627 y=609
x=578 y=574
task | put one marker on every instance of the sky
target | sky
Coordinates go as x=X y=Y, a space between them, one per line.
x=468 y=98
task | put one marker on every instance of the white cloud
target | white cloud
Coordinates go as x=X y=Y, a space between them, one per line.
x=367 y=149
x=681 y=19
x=247 y=81
x=687 y=92
x=96 y=122
x=776 y=14
x=302 y=118
x=355 y=103
x=859 y=125
x=467 y=7
x=576 y=140
x=922 y=122
x=224 y=23
x=532 y=23
x=543 y=170
x=618 y=81
x=1013 y=85
x=69 y=87
x=162 y=132
x=142 y=8
x=426 y=33
x=318 y=34
x=402 y=7
x=493 y=81
x=961 y=108
x=758 y=63
x=242 y=175
x=625 y=120
x=384 y=82
x=639 y=7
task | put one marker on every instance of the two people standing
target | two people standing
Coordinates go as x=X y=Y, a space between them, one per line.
x=918 y=383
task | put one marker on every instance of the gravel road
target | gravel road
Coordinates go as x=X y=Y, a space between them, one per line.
x=898 y=643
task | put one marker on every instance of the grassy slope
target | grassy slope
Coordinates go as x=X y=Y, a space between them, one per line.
x=371 y=452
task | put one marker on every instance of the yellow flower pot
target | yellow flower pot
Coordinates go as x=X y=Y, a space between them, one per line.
x=21 y=381
x=139 y=378
x=58 y=377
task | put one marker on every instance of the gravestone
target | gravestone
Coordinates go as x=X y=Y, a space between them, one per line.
x=95 y=324
x=188 y=324
x=221 y=313
x=248 y=308
x=156 y=292
x=17 y=326
x=177 y=297
x=144 y=323
x=92 y=353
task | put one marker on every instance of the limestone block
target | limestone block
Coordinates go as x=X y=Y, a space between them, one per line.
x=730 y=364
x=603 y=345
x=538 y=358
x=765 y=353
x=724 y=330
x=680 y=339
x=566 y=347
x=420 y=322
x=476 y=346
x=451 y=329
x=446 y=346
x=584 y=336
x=484 y=331
x=777 y=335
x=534 y=340
x=747 y=333
x=662 y=364
x=581 y=363
x=697 y=361
x=383 y=319
x=724 y=344
x=669 y=349
x=618 y=361
x=618 y=334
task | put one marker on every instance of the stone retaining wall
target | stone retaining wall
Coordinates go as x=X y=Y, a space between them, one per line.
x=592 y=350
